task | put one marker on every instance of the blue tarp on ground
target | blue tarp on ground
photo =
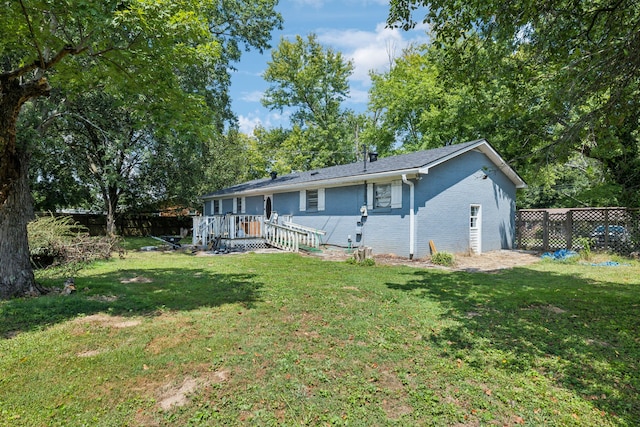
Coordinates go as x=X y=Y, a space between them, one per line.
x=560 y=254
x=607 y=264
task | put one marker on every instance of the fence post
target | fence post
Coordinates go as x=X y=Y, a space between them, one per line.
x=545 y=231
x=569 y=229
x=518 y=229
x=606 y=228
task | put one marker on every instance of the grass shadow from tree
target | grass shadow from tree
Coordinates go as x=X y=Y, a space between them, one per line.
x=578 y=333
x=145 y=292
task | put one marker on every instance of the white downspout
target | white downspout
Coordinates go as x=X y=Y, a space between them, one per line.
x=412 y=220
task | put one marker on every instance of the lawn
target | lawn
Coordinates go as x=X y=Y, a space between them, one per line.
x=283 y=339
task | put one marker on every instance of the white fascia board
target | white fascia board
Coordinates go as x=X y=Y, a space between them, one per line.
x=488 y=151
x=324 y=183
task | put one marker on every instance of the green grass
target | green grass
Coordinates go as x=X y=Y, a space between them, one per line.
x=135 y=243
x=282 y=339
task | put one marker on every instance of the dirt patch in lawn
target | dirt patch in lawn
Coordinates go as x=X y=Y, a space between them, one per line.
x=89 y=353
x=487 y=262
x=136 y=279
x=175 y=395
x=105 y=320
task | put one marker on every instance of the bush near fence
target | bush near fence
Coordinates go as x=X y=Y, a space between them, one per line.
x=132 y=225
x=553 y=229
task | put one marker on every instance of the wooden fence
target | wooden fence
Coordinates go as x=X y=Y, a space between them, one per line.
x=609 y=229
x=133 y=225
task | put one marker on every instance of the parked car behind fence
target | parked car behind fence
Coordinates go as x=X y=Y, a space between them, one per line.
x=616 y=235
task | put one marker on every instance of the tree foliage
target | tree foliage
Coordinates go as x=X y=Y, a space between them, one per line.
x=582 y=59
x=313 y=81
x=157 y=50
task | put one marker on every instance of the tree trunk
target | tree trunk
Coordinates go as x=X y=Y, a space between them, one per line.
x=111 y=220
x=111 y=203
x=16 y=206
x=16 y=273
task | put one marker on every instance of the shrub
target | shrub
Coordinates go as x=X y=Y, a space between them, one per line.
x=585 y=244
x=443 y=258
x=60 y=241
x=367 y=262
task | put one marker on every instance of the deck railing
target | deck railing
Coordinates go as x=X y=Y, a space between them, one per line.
x=279 y=232
x=309 y=236
x=206 y=228
x=282 y=237
x=291 y=237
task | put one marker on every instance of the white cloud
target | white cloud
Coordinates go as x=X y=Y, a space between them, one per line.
x=248 y=124
x=358 y=96
x=254 y=96
x=257 y=118
x=371 y=50
x=313 y=3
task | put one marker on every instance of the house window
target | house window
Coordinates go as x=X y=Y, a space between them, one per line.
x=238 y=205
x=216 y=207
x=312 y=200
x=474 y=215
x=382 y=195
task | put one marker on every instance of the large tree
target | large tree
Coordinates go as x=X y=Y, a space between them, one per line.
x=106 y=148
x=313 y=81
x=587 y=60
x=139 y=47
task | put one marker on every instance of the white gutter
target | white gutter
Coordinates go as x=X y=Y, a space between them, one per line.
x=319 y=183
x=412 y=219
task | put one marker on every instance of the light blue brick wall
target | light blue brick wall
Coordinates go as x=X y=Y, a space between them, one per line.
x=384 y=230
x=339 y=219
x=442 y=207
x=286 y=203
x=447 y=193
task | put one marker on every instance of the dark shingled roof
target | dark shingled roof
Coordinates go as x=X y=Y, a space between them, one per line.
x=401 y=162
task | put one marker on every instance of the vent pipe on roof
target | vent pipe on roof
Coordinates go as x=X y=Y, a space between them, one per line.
x=373 y=157
x=364 y=157
x=273 y=174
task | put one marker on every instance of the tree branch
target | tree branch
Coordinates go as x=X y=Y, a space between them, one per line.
x=35 y=40
x=67 y=50
x=597 y=13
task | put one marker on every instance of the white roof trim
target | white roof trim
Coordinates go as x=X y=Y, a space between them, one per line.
x=334 y=182
x=488 y=151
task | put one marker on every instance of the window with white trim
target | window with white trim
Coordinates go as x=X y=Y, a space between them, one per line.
x=312 y=200
x=217 y=207
x=384 y=195
x=239 y=205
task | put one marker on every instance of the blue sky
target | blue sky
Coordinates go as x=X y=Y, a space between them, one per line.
x=354 y=27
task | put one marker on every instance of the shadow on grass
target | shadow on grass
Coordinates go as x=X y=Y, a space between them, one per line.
x=130 y=293
x=581 y=334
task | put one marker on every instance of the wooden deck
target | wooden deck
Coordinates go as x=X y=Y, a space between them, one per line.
x=254 y=232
